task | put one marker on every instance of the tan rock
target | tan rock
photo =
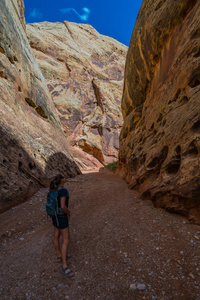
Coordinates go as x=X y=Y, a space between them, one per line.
x=160 y=138
x=33 y=146
x=20 y=8
x=84 y=71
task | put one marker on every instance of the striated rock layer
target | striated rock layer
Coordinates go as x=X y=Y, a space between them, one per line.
x=33 y=148
x=160 y=139
x=84 y=71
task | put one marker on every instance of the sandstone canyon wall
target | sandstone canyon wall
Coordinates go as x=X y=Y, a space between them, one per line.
x=84 y=72
x=33 y=145
x=160 y=139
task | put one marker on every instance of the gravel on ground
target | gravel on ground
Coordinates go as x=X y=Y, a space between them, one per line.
x=121 y=247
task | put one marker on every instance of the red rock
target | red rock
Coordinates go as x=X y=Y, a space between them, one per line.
x=159 y=142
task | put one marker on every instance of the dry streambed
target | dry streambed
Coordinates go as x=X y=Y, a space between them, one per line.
x=121 y=247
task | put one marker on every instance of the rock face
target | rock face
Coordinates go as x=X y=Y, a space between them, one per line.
x=160 y=139
x=33 y=145
x=84 y=72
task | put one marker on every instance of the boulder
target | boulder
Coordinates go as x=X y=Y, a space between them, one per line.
x=33 y=145
x=160 y=138
x=84 y=71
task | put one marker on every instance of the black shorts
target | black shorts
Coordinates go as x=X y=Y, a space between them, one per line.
x=62 y=222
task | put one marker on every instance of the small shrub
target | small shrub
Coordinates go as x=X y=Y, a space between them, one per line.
x=111 y=166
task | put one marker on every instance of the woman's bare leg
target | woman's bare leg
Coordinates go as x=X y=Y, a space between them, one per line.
x=56 y=241
x=65 y=242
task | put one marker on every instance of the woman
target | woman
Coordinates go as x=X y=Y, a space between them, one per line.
x=61 y=223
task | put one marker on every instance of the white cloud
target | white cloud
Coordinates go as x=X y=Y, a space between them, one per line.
x=35 y=13
x=83 y=17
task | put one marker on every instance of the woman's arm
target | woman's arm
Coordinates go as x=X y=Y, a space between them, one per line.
x=64 y=207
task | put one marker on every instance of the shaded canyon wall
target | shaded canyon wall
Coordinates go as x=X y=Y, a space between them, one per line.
x=160 y=139
x=33 y=147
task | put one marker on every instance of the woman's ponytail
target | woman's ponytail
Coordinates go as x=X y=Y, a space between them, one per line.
x=54 y=184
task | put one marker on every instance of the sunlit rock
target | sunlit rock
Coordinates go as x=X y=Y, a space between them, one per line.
x=84 y=71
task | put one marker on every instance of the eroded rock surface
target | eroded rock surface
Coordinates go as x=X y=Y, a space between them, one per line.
x=33 y=145
x=160 y=138
x=84 y=71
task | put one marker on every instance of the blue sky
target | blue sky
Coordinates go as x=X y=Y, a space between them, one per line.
x=114 y=18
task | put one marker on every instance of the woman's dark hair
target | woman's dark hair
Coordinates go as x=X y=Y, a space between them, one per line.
x=54 y=184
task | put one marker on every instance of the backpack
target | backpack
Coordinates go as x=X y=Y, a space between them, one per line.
x=52 y=203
